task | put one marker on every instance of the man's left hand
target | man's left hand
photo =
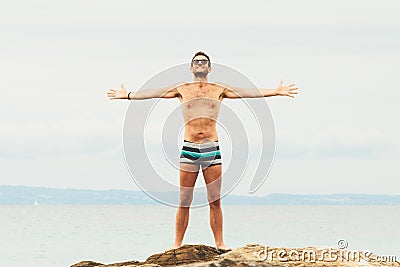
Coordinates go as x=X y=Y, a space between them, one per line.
x=286 y=90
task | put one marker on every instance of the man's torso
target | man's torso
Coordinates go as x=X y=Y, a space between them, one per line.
x=200 y=107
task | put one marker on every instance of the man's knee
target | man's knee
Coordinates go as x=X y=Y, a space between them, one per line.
x=213 y=195
x=214 y=203
x=185 y=199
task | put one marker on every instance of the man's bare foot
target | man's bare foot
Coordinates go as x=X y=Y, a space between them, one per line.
x=224 y=248
x=175 y=246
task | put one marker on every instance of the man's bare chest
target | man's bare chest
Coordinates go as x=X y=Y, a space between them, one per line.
x=195 y=91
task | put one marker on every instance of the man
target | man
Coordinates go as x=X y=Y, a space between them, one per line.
x=200 y=103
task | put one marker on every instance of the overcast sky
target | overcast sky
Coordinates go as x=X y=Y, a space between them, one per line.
x=58 y=60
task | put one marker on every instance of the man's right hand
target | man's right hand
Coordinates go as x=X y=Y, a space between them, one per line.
x=118 y=94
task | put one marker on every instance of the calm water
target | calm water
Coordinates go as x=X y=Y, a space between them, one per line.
x=64 y=235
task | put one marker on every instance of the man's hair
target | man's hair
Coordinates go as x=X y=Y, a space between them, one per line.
x=200 y=53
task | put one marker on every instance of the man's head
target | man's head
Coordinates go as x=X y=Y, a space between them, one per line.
x=200 y=65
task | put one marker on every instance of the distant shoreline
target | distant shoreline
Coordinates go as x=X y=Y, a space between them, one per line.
x=29 y=195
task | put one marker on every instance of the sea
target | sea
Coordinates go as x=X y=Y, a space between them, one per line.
x=62 y=235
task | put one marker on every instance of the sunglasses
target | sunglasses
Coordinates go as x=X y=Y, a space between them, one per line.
x=200 y=61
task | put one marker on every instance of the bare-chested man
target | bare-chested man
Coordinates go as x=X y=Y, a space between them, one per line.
x=200 y=103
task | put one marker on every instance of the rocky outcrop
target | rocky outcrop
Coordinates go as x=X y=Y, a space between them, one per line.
x=187 y=254
x=255 y=255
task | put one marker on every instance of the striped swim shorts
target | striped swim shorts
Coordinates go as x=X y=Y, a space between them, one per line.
x=204 y=155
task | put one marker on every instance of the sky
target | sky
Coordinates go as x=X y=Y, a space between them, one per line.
x=58 y=60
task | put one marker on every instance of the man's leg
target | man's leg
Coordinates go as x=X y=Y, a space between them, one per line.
x=187 y=180
x=213 y=178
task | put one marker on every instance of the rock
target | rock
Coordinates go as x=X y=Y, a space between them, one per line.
x=249 y=256
x=87 y=264
x=184 y=255
x=128 y=264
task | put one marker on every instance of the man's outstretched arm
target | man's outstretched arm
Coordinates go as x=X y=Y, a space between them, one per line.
x=281 y=90
x=168 y=92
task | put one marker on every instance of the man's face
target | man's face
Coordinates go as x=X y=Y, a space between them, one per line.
x=200 y=66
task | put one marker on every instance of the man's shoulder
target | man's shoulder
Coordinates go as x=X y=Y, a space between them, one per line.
x=222 y=85
x=180 y=86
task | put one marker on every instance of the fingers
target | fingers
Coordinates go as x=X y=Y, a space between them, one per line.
x=112 y=93
x=292 y=84
x=291 y=94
